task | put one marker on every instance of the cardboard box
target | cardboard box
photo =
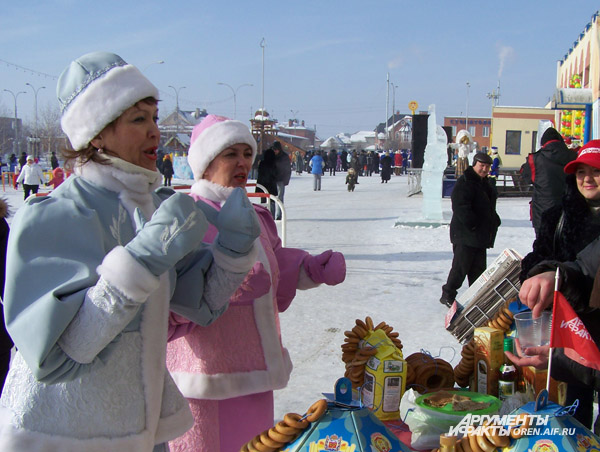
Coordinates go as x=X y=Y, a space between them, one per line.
x=385 y=377
x=489 y=356
x=535 y=381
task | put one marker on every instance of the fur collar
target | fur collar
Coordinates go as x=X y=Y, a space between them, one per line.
x=211 y=191
x=134 y=184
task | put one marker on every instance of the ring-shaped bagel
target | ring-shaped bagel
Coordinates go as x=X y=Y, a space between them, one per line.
x=316 y=410
x=279 y=437
x=266 y=439
x=295 y=420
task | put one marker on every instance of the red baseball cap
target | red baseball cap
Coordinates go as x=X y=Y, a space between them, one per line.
x=588 y=154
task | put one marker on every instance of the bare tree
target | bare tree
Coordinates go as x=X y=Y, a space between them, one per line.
x=49 y=130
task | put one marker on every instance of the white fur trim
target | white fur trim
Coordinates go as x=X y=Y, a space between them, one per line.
x=241 y=264
x=215 y=139
x=174 y=426
x=304 y=281
x=227 y=386
x=103 y=101
x=121 y=270
x=211 y=191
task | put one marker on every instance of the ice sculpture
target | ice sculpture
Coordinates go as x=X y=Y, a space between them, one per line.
x=433 y=168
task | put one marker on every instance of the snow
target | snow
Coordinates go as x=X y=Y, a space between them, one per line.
x=393 y=274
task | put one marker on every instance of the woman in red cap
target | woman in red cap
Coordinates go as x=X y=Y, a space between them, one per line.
x=565 y=230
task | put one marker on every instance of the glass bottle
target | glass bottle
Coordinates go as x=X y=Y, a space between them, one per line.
x=447 y=443
x=507 y=380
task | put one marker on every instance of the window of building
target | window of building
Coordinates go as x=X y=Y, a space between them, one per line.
x=513 y=142
x=485 y=131
x=453 y=131
x=472 y=130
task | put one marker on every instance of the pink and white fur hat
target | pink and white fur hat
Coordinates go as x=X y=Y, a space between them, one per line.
x=211 y=137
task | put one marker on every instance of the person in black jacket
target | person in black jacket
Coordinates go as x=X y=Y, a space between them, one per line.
x=167 y=170
x=473 y=226
x=267 y=177
x=544 y=169
x=283 y=174
x=6 y=343
x=564 y=232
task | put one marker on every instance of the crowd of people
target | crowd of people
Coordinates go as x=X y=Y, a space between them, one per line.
x=156 y=313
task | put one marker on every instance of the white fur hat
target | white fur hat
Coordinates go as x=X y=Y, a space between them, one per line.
x=213 y=135
x=96 y=89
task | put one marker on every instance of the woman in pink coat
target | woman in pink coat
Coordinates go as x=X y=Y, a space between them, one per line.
x=229 y=370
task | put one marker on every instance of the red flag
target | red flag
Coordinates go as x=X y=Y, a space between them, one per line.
x=569 y=332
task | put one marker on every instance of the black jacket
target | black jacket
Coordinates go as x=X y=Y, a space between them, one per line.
x=474 y=219
x=284 y=168
x=564 y=230
x=267 y=173
x=544 y=169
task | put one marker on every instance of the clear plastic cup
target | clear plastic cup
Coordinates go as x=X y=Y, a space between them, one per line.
x=533 y=332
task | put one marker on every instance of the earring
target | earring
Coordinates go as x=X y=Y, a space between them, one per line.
x=100 y=151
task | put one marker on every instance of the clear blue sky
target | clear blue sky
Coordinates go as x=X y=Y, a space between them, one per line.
x=325 y=61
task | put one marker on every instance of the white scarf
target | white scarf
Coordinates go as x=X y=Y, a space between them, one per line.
x=133 y=183
x=211 y=191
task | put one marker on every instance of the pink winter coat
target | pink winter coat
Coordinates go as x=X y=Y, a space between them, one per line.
x=241 y=352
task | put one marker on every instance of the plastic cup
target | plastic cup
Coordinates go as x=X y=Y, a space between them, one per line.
x=533 y=332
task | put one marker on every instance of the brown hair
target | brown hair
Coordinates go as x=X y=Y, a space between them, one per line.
x=90 y=153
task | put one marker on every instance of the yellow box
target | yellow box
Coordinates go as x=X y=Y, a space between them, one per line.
x=385 y=377
x=535 y=381
x=489 y=356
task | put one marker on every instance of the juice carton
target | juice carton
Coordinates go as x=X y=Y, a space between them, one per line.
x=489 y=356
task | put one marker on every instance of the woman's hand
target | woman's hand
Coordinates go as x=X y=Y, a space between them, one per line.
x=236 y=222
x=536 y=356
x=328 y=267
x=537 y=292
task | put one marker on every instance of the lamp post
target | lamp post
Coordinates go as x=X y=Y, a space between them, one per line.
x=35 y=106
x=15 y=96
x=294 y=115
x=177 y=102
x=394 y=104
x=467 y=108
x=234 y=91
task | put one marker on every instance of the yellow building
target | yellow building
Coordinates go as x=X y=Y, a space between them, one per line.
x=577 y=96
x=514 y=132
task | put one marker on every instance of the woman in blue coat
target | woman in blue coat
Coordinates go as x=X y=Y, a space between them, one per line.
x=316 y=165
x=93 y=270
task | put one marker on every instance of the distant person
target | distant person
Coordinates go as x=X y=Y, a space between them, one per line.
x=473 y=226
x=22 y=160
x=495 y=169
x=386 y=167
x=544 y=169
x=316 y=169
x=283 y=173
x=6 y=343
x=376 y=161
x=54 y=161
x=31 y=176
x=58 y=177
x=404 y=161
x=167 y=170
x=370 y=164
x=344 y=160
x=397 y=163
x=332 y=157
x=267 y=177
x=299 y=162
x=12 y=162
x=351 y=179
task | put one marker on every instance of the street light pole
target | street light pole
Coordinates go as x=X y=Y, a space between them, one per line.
x=35 y=106
x=15 y=96
x=294 y=115
x=394 y=104
x=234 y=91
x=177 y=102
x=467 y=108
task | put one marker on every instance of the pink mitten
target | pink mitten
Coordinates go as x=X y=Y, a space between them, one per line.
x=328 y=267
x=256 y=284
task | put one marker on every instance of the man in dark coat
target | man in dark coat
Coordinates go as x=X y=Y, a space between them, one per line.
x=544 y=169
x=284 y=172
x=473 y=226
x=386 y=167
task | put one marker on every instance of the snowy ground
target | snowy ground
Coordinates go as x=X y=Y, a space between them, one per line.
x=393 y=274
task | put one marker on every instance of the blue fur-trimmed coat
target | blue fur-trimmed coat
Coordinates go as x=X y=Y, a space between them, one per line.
x=106 y=389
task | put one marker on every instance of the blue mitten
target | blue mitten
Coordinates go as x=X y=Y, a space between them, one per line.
x=236 y=222
x=176 y=228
